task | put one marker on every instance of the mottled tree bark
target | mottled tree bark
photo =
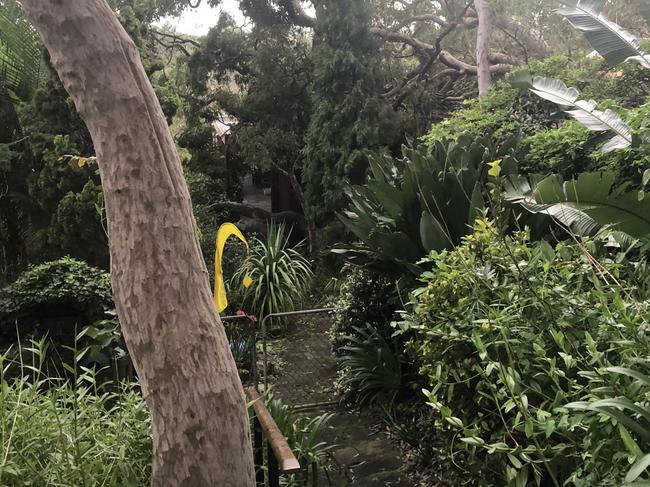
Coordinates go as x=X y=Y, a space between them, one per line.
x=160 y=282
x=483 y=36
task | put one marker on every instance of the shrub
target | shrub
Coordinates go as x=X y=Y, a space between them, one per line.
x=367 y=298
x=508 y=332
x=371 y=368
x=281 y=275
x=55 y=298
x=506 y=110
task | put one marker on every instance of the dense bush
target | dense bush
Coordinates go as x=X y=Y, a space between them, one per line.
x=508 y=332
x=507 y=110
x=56 y=298
x=366 y=298
x=550 y=143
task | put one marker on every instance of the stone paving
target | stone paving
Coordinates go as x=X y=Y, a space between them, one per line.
x=365 y=455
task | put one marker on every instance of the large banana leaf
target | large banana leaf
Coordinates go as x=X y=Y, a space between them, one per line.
x=611 y=41
x=587 y=205
x=583 y=111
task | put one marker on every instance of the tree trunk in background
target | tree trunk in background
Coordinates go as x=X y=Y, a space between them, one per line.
x=161 y=286
x=483 y=46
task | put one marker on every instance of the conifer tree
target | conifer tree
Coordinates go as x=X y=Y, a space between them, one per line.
x=349 y=119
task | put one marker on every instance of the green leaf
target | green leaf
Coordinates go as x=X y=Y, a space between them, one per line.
x=584 y=112
x=638 y=468
x=611 y=41
x=629 y=442
x=432 y=234
x=588 y=206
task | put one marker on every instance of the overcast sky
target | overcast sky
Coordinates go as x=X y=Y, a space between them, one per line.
x=197 y=21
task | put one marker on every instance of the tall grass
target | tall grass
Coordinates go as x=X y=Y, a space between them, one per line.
x=70 y=432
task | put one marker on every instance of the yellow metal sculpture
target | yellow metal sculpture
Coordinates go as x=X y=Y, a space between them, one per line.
x=225 y=231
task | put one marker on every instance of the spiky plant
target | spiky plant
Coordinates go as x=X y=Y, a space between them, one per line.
x=281 y=274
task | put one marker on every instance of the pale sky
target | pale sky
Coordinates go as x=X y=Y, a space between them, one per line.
x=197 y=21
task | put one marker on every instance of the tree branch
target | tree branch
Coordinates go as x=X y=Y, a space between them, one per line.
x=444 y=56
x=297 y=14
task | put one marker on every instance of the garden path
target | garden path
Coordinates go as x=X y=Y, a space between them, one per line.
x=365 y=455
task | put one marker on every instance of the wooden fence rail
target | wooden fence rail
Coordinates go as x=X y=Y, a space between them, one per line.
x=268 y=438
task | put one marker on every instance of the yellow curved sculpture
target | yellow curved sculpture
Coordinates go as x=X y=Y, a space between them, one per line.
x=225 y=231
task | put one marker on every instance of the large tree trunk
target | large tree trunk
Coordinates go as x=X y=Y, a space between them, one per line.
x=160 y=282
x=484 y=14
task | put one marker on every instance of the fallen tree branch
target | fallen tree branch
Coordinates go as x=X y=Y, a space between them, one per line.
x=445 y=57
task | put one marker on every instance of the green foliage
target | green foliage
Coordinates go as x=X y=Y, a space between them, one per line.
x=77 y=227
x=426 y=201
x=57 y=298
x=366 y=297
x=349 y=119
x=508 y=332
x=21 y=66
x=71 y=432
x=620 y=394
x=305 y=437
x=60 y=202
x=563 y=150
x=546 y=134
x=371 y=370
x=281 y=275
x=506 y=110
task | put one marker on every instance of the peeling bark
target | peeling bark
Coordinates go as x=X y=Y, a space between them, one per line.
x=160 y=282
